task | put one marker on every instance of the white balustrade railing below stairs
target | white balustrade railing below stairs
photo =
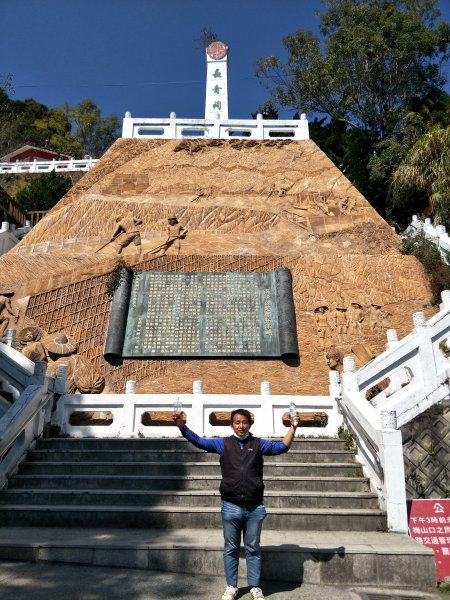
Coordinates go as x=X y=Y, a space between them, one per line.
x=416 y=371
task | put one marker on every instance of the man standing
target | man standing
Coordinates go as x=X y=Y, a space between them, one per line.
x=241 y=491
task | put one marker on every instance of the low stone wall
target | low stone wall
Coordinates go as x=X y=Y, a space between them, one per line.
x=426 y=449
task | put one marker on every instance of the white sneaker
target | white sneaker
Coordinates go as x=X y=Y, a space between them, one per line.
x=231 y=593
x=256 y=593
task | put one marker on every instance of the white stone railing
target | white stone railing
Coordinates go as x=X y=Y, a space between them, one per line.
x=127 y=410
x=256 y=129
x=416 y=371
x=434 y=233
x=23 y=420
x=46 y=166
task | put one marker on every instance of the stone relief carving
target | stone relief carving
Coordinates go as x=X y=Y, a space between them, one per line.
x=321 y=317
x=175 y=233
x=376 y=318
x=125 y=233
x=355 y=318
x=6 y=310
x=60 y=349
x=334 y=359
x=202 y=193
x=30 y=344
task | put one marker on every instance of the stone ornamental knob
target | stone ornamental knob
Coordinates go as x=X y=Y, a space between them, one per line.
x=440 y=230
x=428 y=221
x=419 y=320
x=349 y=364
x=445 y=295
x=265 y=388
x=391 y=335
x=173 y=115
x=130 y=387
x=127 y=115
x=197 y=387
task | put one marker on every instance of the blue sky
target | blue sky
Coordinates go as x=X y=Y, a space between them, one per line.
x=142 y=55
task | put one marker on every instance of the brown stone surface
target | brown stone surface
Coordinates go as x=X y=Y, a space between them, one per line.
x=248 y=206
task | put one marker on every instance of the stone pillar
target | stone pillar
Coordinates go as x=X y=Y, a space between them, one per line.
x=197 y=387
x=130 y=387
x=445 y=295
x=392 y=338
x=419 y=320
x=61 y=379
x=216 y=98
x=5 y=226
x=11 y=337
x=265 y=388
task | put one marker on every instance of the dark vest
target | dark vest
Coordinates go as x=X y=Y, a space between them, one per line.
x=242 y=471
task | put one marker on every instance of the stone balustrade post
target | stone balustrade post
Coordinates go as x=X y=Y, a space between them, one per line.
x=419 y=320
x=5 y=226
x=445 y=295
x=392 y=338
x=61 y=379
x=10 y=337
x=130 y=387
x=349 y=376
x=265 y=388
x=394 y=492
x=197 y=387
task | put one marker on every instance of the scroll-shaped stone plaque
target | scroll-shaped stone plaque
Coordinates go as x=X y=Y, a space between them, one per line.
x=158 y=314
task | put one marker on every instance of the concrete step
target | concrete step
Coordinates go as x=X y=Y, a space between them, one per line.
x=277 y=499
x=183 y=469
x=176 y=517
x=179 y=455
x=301 y=557
x=163 y=444
x=173 y=482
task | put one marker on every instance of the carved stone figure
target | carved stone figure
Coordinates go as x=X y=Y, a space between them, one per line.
x=81 y=374
x=346 y=205
x=125 y=233
x=203 y=193
x=175 y=233
x=334 y=359
x=355 y=318
x=340 y=320
x=321 y=323
x=6 y=309
x=30 y=344
x=376 y=318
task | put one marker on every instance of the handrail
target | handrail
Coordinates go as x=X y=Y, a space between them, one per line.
x=46 y=166
x=418 y=372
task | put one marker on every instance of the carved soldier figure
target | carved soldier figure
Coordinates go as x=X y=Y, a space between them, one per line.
x=175 y=233
x=376 y=318
x=355 y=319
x=334 y=359
x=321 y=323
x=6 y=309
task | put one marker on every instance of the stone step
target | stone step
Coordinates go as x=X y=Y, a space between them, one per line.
x=274 y=499
x=160 y=444
x=187 y=482
x=186 y=456
x=176 y=517
x=308 y=557
x=183 y=469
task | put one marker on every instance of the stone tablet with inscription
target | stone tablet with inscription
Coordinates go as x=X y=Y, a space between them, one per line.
x=158 y=314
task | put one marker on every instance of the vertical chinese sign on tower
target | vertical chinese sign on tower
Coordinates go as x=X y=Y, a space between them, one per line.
x=429 y=524
x=216 y=102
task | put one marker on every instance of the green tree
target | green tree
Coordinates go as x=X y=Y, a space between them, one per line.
x=424 y=172
x=89 y=129
x=44 y=191
x=373 y=59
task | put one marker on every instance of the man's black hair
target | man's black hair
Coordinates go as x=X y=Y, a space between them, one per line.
x=243 y=412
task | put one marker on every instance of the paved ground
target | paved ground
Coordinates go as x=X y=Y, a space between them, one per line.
x=51 y=581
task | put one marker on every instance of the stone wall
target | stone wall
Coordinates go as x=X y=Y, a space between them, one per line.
x=426 y=448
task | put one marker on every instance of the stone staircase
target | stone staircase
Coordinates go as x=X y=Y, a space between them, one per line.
x=155 y=504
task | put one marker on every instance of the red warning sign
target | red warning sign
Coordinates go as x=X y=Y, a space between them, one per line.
x=429 y=524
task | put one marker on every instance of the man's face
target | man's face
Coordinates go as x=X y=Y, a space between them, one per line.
x=172 y=221
x=240 y=425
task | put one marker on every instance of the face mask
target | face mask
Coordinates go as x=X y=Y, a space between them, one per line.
x=242 y=437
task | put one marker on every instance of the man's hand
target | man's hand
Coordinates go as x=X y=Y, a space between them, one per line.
x=179 y=419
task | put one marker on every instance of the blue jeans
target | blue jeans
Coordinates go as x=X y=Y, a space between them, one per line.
x=247 y=519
